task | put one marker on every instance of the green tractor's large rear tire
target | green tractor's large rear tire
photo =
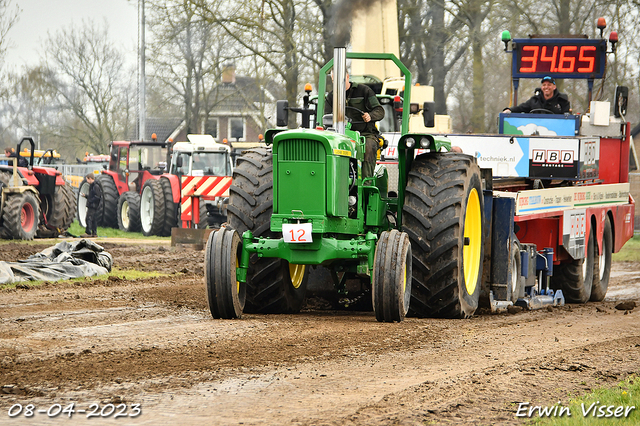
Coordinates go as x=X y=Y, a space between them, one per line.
x=59 y=211
x=443 y=215
x=391 y=279
x=106 y=215
x=226 y=296
x=273 y=285
x=575 y=277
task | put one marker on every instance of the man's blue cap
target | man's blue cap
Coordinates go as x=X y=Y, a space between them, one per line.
x=549 y=79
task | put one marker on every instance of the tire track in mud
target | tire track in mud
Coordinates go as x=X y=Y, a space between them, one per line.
x=283 y=369
x=153 y=342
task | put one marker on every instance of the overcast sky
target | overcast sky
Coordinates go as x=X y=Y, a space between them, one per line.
x=41 y=16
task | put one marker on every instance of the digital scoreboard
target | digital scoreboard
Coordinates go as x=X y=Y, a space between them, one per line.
x=559 y=58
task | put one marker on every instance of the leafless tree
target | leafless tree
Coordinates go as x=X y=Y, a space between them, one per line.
x=274 y=31
x=91 y=81
x=29 y=107
x=430 y=44
x=188 y=56
x=9 y=14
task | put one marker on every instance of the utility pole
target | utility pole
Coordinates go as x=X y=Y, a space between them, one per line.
x=142 y=111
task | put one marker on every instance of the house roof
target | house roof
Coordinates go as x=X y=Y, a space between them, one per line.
x=243 y=95
x=162 y=127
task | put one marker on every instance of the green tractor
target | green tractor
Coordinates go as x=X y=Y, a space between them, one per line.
x=302 y=201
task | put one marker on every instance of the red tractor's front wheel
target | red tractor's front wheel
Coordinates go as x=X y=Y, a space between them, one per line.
x=20 y=216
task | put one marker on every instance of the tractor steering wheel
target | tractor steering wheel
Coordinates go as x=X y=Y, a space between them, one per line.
x=360 y=111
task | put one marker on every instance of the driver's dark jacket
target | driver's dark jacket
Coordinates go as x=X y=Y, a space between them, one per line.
x=558 y=104
x=364 y=98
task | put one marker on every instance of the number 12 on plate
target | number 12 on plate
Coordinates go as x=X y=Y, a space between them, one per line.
x=297 y=232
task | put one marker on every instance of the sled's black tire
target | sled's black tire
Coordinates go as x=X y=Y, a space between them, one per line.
x=391 y=280
x=106 y=214
x=273 y=286
x=129 y=212
x=602 y=264
x=152 y=204
x=225 y=295
x=20 y=216
x=170 y=209
x=575 y=277
x=516 y=285
x=60 y=212
x=444 y=209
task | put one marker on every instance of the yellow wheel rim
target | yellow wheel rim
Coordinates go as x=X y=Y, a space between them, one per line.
x=296 y=272
x=404 y=279
x=473 y=242
x=237 y=282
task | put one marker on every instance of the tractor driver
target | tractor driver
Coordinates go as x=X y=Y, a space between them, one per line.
x=363 y=98
x=199 y=163
x=546 y=98
x=10 y=153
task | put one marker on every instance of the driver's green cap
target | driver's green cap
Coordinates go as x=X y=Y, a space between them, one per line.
x=549 y=79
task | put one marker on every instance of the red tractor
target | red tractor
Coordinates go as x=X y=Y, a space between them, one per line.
x=131 y=165
x=36 y=201
x=143 y=188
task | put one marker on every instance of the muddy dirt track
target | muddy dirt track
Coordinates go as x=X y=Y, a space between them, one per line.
x=152 y=342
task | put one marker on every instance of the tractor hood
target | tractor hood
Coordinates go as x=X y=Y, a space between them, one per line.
x=333 y=143
x=311 y=172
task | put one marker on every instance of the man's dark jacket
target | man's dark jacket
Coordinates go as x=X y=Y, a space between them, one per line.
x=94 y=196
x=22 y=162
x=364 y=98
x=558 y=104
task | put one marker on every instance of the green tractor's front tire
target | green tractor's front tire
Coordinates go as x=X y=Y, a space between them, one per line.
x=225 y=294
x=443 y=215
x=273 y=285
x=391 y=281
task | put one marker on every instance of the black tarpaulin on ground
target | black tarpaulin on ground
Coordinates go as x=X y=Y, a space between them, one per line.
x=65 y=260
